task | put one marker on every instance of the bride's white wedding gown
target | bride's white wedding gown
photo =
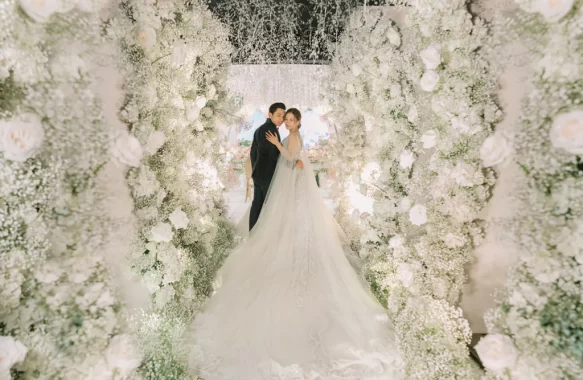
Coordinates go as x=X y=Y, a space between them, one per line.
x=290 y=305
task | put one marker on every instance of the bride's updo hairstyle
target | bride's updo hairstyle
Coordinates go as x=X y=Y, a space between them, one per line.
x=297 y=114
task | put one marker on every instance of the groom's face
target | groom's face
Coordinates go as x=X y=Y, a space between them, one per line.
x=277 y=116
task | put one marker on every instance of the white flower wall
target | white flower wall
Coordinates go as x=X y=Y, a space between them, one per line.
x=414 y=127
x=60 y=313
x=175 y=58
x=536 y=328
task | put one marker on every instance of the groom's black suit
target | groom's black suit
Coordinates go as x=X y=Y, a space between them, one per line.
x=264 y=157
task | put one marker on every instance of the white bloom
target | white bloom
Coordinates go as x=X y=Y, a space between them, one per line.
x=192 y=112
x=122 y=355
x=127 y=149
x=11 y=352
x=162 y=232
x=429 y=81
x=39 y=10
x=454 y=240
x=356 y=69
x=179 y=218
x=405 y=204
x=406 y=159
x=413 y=115
x=48 y=273
x=146 y=37
x=394 y=37
x=20 y=140
x=567 y=132
x=497 y=352
x=418 y=215
x=494 y=150
x=179 y=53
x=429 y=139
x=431 y=56
x=212 y=92
x=155 y=142
x=465 y=175
x=201 y=101
x=396 y=242
x=405 y=274
x=552 y=10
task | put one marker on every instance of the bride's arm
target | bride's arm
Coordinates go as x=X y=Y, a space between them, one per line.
x=293 y=146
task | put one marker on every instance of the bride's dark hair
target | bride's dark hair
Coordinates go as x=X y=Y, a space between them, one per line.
x=297 y=114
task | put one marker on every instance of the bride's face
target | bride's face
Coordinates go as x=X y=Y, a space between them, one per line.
x=291 y=123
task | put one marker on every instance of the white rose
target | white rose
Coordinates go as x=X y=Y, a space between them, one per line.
x=179 y=53
x=406 y=159
x=418 y=215
x=431 y=56
x=553 y=10
x=127 y=149
x=201 y=101
x=497 y=352
x=155 y=141
x=394 y=37
x=39 y=10
x=20 y=140
x=405 y=274
x=413 y=115
x=385 y=69
x=146 y=37
x=567 y=132
x=162 y=232
x=429 y=139
x=429 y=81
x=122 y=355
x=179 y=218
x=11 y=352
x=356 y=70
x=494 y=150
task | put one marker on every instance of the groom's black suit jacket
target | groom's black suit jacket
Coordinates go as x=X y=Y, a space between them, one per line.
x=264 y=154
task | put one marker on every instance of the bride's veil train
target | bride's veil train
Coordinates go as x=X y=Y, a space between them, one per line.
x=290 y=305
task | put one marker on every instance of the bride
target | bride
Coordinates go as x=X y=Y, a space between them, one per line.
x=290 y=305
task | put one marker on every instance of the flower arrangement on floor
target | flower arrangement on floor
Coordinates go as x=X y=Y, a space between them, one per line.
x=536 y=331
x=60 y=314
x=174 y=56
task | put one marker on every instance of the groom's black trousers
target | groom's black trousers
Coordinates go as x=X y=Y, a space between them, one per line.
x=259 y=194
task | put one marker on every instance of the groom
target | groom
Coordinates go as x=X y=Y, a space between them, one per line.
x=264 y=157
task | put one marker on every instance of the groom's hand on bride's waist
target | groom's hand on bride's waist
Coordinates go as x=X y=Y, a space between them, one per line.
x=300 y=164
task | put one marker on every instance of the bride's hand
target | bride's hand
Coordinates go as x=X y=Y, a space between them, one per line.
x=272 y=138
x=300 y=164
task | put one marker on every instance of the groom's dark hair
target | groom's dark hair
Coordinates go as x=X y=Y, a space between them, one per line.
x=275 y=106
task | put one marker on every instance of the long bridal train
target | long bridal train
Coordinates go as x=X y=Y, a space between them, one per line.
x=291 y=306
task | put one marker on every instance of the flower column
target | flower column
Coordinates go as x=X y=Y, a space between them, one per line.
x=60 y=316
x=454 y=109
x=175 y=57
x=537 y=329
